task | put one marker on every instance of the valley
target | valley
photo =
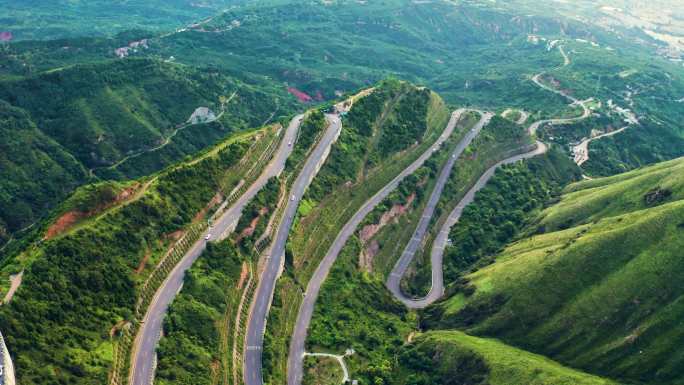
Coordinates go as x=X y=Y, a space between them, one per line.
x=324 y=192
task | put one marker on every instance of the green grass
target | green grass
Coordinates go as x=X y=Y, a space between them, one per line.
x=322 y=371
x=196 y=347
x=601 y=295
x=492 y=362
x=587 y=201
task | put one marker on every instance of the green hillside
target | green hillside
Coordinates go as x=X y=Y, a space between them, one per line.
x=597 y=287
x=116 y=119
x=35 y=171
x=453 y=357
x=382 y=134
x=82 y=284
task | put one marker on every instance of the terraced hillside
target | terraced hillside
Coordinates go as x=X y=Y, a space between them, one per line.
x=597 y=285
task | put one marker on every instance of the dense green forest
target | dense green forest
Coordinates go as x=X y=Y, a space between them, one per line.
x=35 y=171
x=200 y=321
x=77 y=286
x=120 y=119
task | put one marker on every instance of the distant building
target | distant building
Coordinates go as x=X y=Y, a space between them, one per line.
x=6 y=366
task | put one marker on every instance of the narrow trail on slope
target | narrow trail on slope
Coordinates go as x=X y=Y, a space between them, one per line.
x=297 y=344
x=166 y=141
x=440 y=243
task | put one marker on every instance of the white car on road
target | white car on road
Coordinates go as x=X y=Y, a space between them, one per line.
x=208 y=237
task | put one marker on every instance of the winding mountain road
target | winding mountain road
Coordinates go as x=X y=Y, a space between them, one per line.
x=147 y=338
x=297 y=343
x=440 y=242
x=276 y=256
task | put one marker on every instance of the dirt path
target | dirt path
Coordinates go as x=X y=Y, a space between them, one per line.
x=581 y=151
x=15 y=282
x=167 y=140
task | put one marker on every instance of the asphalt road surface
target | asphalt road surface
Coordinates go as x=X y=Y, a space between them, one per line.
x=438 y=246
x=394 y=280
x=440 y=242
x=275 y=261
x=144 y=346
x=296 y=354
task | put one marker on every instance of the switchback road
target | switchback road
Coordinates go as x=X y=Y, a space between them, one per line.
x=440 y=242
x=147 y=338
x=394 y=280
x=296 y=353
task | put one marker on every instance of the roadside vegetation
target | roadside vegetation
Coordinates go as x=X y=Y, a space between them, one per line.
x=357 y=167
x=498 y=140
x=198 y=330
x=80 y=287
x=380 y=333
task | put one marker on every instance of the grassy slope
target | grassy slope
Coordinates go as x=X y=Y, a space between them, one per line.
x=604 y=294
x=449 y=356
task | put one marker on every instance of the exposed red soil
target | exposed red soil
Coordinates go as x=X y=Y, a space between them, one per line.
x=301 y=96
x=396 y=211
x=243 y=275
x=143 y=262
x=249 y=230
x=367 y=255
x=63 y=223
x=70 y=218
x=218 y=198
x=6 y=36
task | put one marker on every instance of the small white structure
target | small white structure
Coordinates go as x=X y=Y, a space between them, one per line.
x=202 y=115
